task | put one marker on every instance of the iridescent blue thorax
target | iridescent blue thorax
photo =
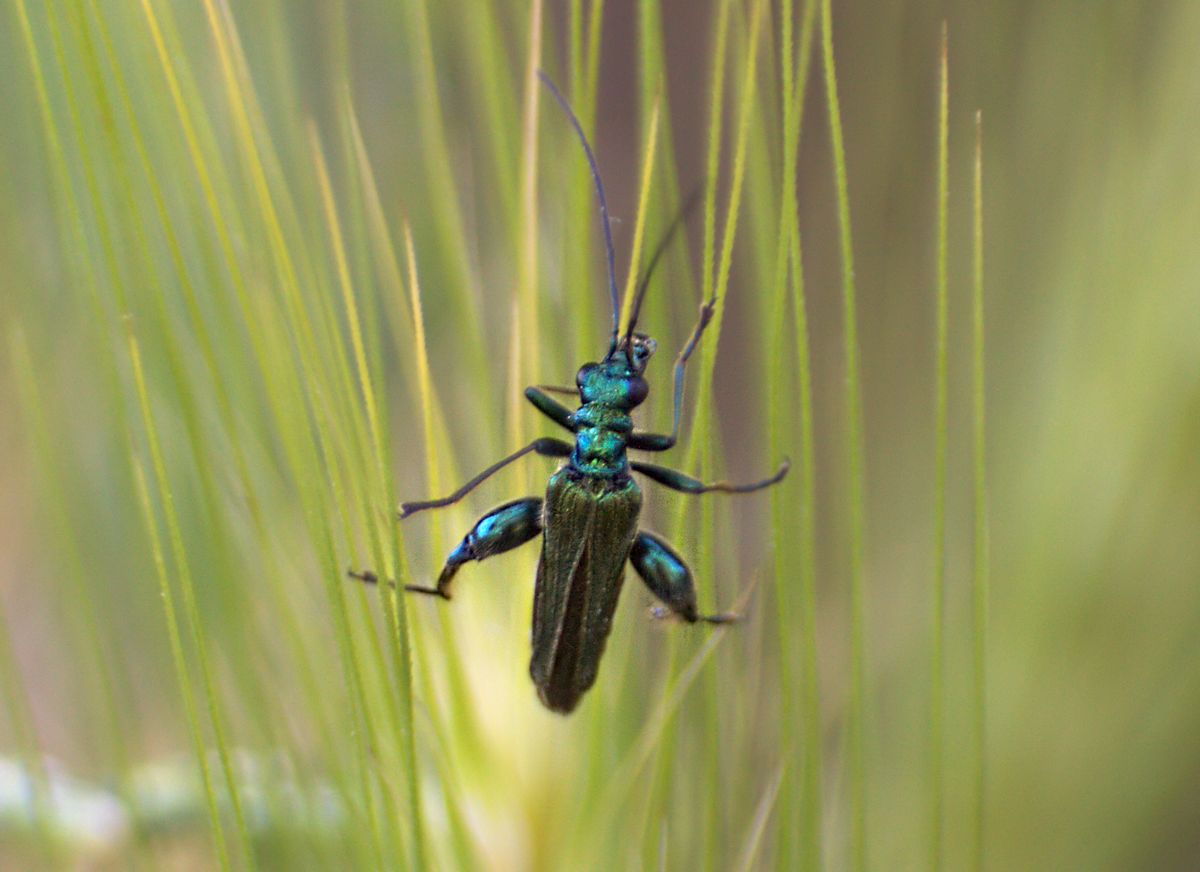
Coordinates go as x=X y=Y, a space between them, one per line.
x=608 y=392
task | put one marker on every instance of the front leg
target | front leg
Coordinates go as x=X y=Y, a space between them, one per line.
x=550 y=407
x=669 y=578
x=502 y=529
x=663 y=441
x=676 y=480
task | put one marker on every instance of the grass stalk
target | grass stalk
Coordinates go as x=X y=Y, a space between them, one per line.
x=71 y=226
x=207 y=180
x=938 y=588
x=192 y=611
x=214 y=193
x=643 y=208
x=655 y=91
x=704 y=439
x=812 y=733
x=527 y=272
x=21 y=722
x=668 y=729
x=461 y=714
x=163 y=220
x=856 y=710
x=716 y=103
x=762 y=814
x=174 y=528
x=308 y=357
x=165 y=589
x=86 y=614
x=980 y=571
x=397 y=625
x=447 y=210
x=800 y=843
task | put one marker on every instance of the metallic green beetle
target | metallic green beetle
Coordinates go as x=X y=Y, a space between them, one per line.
x=589 y=516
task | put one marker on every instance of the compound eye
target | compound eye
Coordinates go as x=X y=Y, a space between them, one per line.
x=582 y=375
x=638 y=389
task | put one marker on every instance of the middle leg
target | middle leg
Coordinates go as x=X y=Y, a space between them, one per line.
x=669 y=578
x=546 y=447
x=676 y=480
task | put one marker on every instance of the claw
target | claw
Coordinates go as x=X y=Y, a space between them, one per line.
x=431 y=591
x=366 y=576
x=369 y=577
x=662 y=613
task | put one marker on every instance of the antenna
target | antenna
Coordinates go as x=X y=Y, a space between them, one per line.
x=689 y=205
x=608 y=243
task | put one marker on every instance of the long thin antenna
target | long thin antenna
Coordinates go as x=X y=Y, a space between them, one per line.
x=608 y=243
x=689 y=205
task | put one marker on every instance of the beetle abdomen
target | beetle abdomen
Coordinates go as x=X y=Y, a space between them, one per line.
x=590 y=523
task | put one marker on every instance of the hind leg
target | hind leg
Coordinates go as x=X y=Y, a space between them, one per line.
x=669 y=578
x=502 y=529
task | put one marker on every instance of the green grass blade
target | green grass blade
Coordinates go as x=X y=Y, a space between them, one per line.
x=87 y=616
x=750 y=850
x=856 y=715
x=669 y=730
x=254 y=188
x=447 y=211
x=938 y=587
x=716 y=102
x=176 y=539
x=526 y=296
x=579 y=253
x=621 y=784
x=981 y=558
x=17 y=703
x=812 y=733
x=397 y=621
x=639 y=225
x=800 y=716
x=71 y=224
x=704 y=436
x=168 y=595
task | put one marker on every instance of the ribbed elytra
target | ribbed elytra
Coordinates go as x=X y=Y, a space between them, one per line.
x=588 y=518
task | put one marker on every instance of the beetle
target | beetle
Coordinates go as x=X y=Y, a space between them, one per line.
x=588 y=518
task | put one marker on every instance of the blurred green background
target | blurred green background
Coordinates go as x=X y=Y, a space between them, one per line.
x=213 y=200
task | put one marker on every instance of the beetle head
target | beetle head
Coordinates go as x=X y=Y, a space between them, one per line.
x=617 y=380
